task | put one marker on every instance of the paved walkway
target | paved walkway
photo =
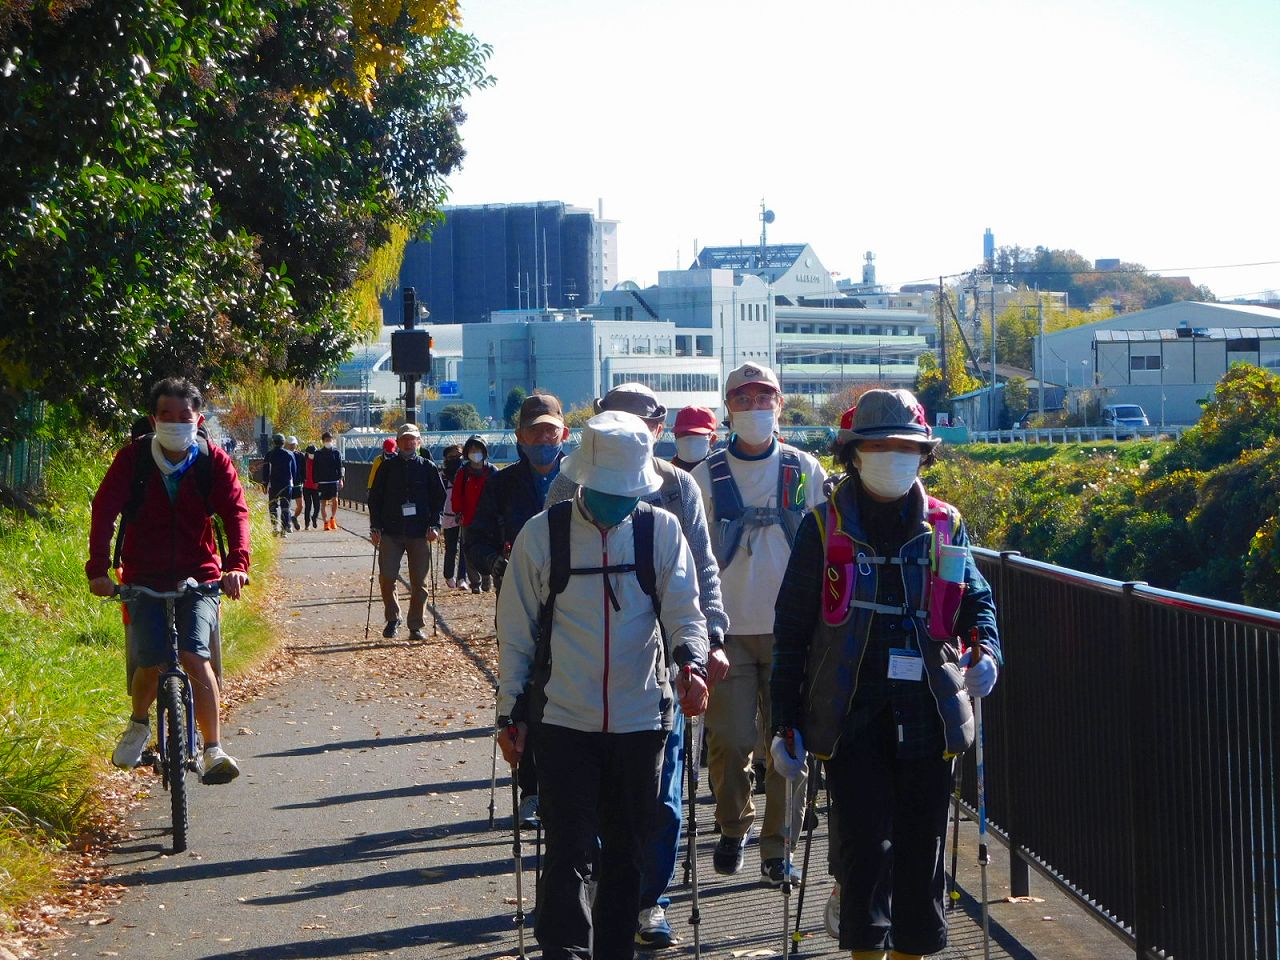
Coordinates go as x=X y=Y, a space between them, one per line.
x=360 y=825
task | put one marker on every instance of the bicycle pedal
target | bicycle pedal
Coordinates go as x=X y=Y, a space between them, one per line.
x=149 y=759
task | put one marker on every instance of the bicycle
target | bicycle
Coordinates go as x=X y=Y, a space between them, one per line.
x=177 y=739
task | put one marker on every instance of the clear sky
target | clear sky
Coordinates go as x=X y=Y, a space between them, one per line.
x=1147 y=130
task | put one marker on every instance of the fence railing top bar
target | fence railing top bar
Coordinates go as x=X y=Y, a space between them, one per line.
x=1063 y=574
x=1206 y=607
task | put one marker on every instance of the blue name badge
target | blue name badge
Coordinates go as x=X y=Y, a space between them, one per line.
x=905 y=665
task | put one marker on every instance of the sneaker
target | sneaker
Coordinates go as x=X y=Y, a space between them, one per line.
x=476 y=588
x=727 y=858
x=217 y=766
x=774 y=871
x=652 y=930
x=296 y=526
x=417 y=633
x=128 y=752
x=389 y=631
x=831 y=915
x=486 y=584
x=529 y=811
x=450 y=583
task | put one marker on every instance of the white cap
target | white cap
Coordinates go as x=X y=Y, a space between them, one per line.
x=292 y=441
x=615 y=456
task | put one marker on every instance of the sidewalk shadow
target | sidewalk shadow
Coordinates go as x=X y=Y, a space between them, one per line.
x=470 y=733
x=492 y=934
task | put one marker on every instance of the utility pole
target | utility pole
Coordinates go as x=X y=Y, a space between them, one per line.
x=410 y=381
x=942 y=350
x=1040 y=347
x=991 y=391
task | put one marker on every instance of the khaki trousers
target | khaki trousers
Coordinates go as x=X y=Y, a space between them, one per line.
x=731 y=741
x=391 y=549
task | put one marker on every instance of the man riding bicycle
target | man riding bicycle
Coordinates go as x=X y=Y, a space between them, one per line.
x=168 y=505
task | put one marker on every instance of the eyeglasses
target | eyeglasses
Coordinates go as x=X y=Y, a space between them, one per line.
x=764 y=400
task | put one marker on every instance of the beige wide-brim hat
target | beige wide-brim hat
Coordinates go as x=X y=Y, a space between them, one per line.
x=615 y=456
x=890 y=415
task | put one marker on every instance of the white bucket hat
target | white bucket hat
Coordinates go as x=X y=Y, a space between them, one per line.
x=615 y=456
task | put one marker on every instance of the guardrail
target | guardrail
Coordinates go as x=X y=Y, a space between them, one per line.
x=1077 y=434
x=1132 y=757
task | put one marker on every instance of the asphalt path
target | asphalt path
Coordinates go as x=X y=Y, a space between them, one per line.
x=360 y=823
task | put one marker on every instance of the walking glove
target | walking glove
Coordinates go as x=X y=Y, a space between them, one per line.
x=981 y=677
x=789 y=764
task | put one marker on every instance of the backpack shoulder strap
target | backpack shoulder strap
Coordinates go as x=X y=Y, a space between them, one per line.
x=725 y=498
x=143 y=468
x=558 y=521
x=642 y=532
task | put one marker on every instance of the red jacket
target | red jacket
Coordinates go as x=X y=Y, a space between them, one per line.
x=168 y=542
x=467 y=487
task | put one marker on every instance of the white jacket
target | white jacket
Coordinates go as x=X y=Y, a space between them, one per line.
x=604 y=675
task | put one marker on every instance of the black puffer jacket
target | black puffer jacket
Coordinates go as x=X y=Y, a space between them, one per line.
x=510 y=499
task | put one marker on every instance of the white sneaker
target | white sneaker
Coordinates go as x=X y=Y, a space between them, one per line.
x=831 y=915
x=128 y=752
x=529 y=811
x=652 y=929
x=217 y=766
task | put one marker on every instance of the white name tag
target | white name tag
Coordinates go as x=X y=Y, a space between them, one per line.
x=905 y=665
x=409 y=509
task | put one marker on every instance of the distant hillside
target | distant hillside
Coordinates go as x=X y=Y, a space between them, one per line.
x=1127 y=285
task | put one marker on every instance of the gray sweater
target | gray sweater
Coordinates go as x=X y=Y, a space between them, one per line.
x=693 y=523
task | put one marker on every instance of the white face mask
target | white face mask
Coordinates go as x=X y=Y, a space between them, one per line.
x=176 y=436
x=475 y=456
x=693 y=448
x=755 y=426
x=888 y=473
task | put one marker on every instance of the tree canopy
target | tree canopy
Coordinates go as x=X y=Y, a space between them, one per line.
x=212 y=189
x=1129 y=285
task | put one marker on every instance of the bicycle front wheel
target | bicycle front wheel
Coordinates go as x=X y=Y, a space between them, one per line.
x=173 y=705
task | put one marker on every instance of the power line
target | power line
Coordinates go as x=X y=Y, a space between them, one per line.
x=1129 y=271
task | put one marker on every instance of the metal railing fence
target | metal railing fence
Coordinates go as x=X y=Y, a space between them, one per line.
x=1131 y=757
x=22 y=461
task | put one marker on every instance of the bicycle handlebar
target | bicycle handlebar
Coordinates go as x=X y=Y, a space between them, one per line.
x=128 y=591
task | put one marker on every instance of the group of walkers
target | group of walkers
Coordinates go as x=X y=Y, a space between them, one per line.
x=309 y=480
x=738 y=583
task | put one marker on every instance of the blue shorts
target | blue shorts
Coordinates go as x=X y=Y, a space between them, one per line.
x=149 y=633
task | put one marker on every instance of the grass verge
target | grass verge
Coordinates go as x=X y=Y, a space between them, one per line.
x=62 y=678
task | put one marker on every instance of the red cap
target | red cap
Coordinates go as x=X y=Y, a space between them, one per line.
x=388 y=445
x=694 y=420
x=846 y=418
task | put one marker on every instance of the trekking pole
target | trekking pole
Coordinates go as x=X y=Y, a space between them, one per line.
x=691 y=756
x=493 y=770
x=954 y=896
x=811 y=818
x=983 y=856
x=519 y=858
x=368 y=610
x=789 y=804
x=435 y=611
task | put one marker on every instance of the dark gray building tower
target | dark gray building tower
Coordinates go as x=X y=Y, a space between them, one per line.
x=501 y=256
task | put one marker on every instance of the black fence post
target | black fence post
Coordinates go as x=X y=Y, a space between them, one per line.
x=1019 y=873
x=1137 y=715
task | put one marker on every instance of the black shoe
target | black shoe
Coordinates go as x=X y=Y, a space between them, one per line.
x=759 y=771
x=389 y=631
x=417 y=634
x=486 y=584
x=475 y=589
x=773 y=872
x=727 y=858
x=295 y=524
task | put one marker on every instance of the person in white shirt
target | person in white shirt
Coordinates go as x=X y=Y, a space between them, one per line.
x=756 y=491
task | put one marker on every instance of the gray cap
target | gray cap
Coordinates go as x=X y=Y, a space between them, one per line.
x=278 y=439
x=633 y=398
x=889 y=415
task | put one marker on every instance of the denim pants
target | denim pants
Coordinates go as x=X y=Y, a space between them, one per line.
x=663 y=847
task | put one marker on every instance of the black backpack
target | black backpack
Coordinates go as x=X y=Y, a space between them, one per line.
x=144 y=466
x=558 y=519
